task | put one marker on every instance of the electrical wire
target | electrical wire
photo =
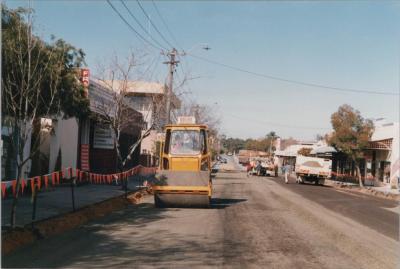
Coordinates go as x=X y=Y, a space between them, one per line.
x=155 y=67
x=132 y=28
x=290 y=80
x=278 y=124
x=165 y=24
x=184 y=96
x=151 y=22
x=140 y=25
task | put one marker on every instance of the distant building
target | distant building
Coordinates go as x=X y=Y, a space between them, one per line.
x=245 y=155
x=288 y=155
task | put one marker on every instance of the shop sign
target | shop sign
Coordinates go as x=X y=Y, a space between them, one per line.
x=103 y=137
x=85 y=77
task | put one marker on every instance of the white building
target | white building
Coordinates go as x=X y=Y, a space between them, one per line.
x=382 y=156
x=86 y=143
x=148 y=98
x=289 y=154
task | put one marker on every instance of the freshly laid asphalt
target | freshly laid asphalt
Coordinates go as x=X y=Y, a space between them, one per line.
x=379 y=214
x=254 y=222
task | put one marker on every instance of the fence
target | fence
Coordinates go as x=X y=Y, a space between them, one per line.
x=36 y=183
x=69 y=188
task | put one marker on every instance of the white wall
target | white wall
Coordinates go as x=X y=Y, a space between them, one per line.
x=26 y=168
x=395 y=158
x=66 y=138
x=385 y=130
x=148 y=143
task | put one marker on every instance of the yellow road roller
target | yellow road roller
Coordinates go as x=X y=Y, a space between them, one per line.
x=184 y=177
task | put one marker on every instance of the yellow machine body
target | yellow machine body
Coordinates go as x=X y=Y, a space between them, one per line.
x=185 y=167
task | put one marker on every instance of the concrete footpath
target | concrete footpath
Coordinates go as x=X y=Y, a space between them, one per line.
x=384 y=189
x=383 y=192
x=58 y=200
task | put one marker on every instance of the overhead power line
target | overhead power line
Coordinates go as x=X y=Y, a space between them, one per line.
x=278 y=124
x=165 y=23
x=315 y=85
x=156 y=62
x=132 y=28
x=140 y=25
x=154 y=26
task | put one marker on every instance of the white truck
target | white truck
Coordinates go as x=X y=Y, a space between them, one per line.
x=312 y=169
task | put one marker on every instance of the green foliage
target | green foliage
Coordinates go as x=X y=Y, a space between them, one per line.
x=38 y=73
x=263 y=144
x=233 y=144
x=351 y=133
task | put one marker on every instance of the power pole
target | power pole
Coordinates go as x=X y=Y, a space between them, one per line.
x=196 y=113
x=172 y=63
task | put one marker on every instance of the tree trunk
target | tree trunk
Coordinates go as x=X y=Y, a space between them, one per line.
x=358 y=174
x=13 y=217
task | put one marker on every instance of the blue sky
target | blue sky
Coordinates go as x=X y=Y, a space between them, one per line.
x=349 y=44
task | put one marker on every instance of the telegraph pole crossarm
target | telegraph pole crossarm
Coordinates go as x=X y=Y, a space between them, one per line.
x=172 y=64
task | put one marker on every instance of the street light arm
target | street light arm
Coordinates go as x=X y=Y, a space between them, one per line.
x=205 y=47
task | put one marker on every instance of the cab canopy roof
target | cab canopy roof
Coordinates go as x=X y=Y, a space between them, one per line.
x=186 y=121
x=186 y=125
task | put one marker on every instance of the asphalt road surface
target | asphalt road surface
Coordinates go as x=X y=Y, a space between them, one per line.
x=254 y=222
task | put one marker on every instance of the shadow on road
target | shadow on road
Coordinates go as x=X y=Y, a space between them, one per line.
x=221 y=203
x=233 y=176
x=95 y=242
x=124 y=239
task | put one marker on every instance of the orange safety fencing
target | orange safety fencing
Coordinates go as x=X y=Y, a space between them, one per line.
x=55 y=178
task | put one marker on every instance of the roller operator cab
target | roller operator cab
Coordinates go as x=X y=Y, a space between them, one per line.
x=185 y=167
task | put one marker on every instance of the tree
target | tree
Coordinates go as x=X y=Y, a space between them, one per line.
x=288 y=142
x=319 y=137
x=271 y=137
x=233 y=144
x=265 y=144
x=38 y=81
x=351 y=134
x=117 y=77
x=204 y=114
x=304 y=151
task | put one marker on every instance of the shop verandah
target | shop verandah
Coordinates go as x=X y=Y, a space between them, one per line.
x=375 y=165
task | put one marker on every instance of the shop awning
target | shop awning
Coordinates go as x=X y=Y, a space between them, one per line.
x=323 y=150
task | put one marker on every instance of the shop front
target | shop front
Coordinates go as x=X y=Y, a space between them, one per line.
x=379 y=163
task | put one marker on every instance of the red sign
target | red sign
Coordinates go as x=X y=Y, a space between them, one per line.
x=85 y=157
x=85 y=77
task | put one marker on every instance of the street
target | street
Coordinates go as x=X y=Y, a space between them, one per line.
x=253 y=223
x=200 y=134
